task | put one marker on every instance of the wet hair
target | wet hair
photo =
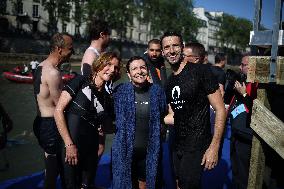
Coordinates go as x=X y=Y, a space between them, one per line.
x=220 y=57
x=102 y=61
x=170 y=34
x=197 y=49
x=57 y=40
x=154 y=41
x=132 y=59
x=97 y=27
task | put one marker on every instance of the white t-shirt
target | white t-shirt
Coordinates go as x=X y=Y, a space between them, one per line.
x=34 y=64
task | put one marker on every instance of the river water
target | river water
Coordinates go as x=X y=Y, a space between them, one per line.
x=23 y=154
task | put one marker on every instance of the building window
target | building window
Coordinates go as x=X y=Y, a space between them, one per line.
x=20 y=8
x=64 y=27
x=139 y=37
x=35 y=11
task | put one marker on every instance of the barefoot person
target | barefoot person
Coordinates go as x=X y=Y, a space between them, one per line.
x=47 y=89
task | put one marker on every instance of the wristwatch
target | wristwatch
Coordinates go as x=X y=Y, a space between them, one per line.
x=244 y=95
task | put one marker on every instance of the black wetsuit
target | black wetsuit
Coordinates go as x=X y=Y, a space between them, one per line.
x=142 y=104
x=84 y=114
x=187 y=94
x=86 y=71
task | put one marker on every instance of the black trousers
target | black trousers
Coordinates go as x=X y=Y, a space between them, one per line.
x=240 y=160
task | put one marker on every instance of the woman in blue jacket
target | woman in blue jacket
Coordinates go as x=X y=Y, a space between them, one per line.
x=139 y=107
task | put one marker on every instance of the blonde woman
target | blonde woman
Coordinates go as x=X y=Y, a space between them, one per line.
x=80 y=110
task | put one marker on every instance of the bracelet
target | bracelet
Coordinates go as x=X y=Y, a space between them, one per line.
x=68 y=145
x=244 y=95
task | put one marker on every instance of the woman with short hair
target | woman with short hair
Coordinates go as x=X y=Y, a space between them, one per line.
x=139 y=108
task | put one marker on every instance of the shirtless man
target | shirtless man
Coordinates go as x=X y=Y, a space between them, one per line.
x=100 y=36
x=47 y=88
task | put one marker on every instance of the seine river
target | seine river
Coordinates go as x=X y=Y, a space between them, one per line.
x=22 y=152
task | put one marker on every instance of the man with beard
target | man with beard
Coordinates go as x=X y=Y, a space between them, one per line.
x=191 y=89
x=100 y=37
x=155 y=63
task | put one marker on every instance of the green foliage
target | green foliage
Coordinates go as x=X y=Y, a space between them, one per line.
x=118 y=13
x=234 y=31
x=56 y=10
x=79 y=14
x=164 y=15
x=63 y=8
x=170 y=15
x=50 y=6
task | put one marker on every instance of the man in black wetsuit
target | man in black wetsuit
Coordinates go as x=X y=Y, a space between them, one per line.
x=156 y=63
x=190 y=90
x=47 y=88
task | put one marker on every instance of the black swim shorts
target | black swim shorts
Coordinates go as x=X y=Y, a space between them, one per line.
x=47 y=134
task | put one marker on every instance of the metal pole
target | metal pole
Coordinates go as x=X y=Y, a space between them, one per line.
x=275 y=36
x=256 y=22
x=257 y=14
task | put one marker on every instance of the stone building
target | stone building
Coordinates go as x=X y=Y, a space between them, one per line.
x=31 y=17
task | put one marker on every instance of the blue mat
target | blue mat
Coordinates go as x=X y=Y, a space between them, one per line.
x=218 y=178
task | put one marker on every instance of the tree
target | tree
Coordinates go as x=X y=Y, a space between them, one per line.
x=56 y=10
x=118 y=13
x=234 y=31
x=226 y=31
x=64 y=7
x=170 y=15
x=242 y=34
x=79 y=15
